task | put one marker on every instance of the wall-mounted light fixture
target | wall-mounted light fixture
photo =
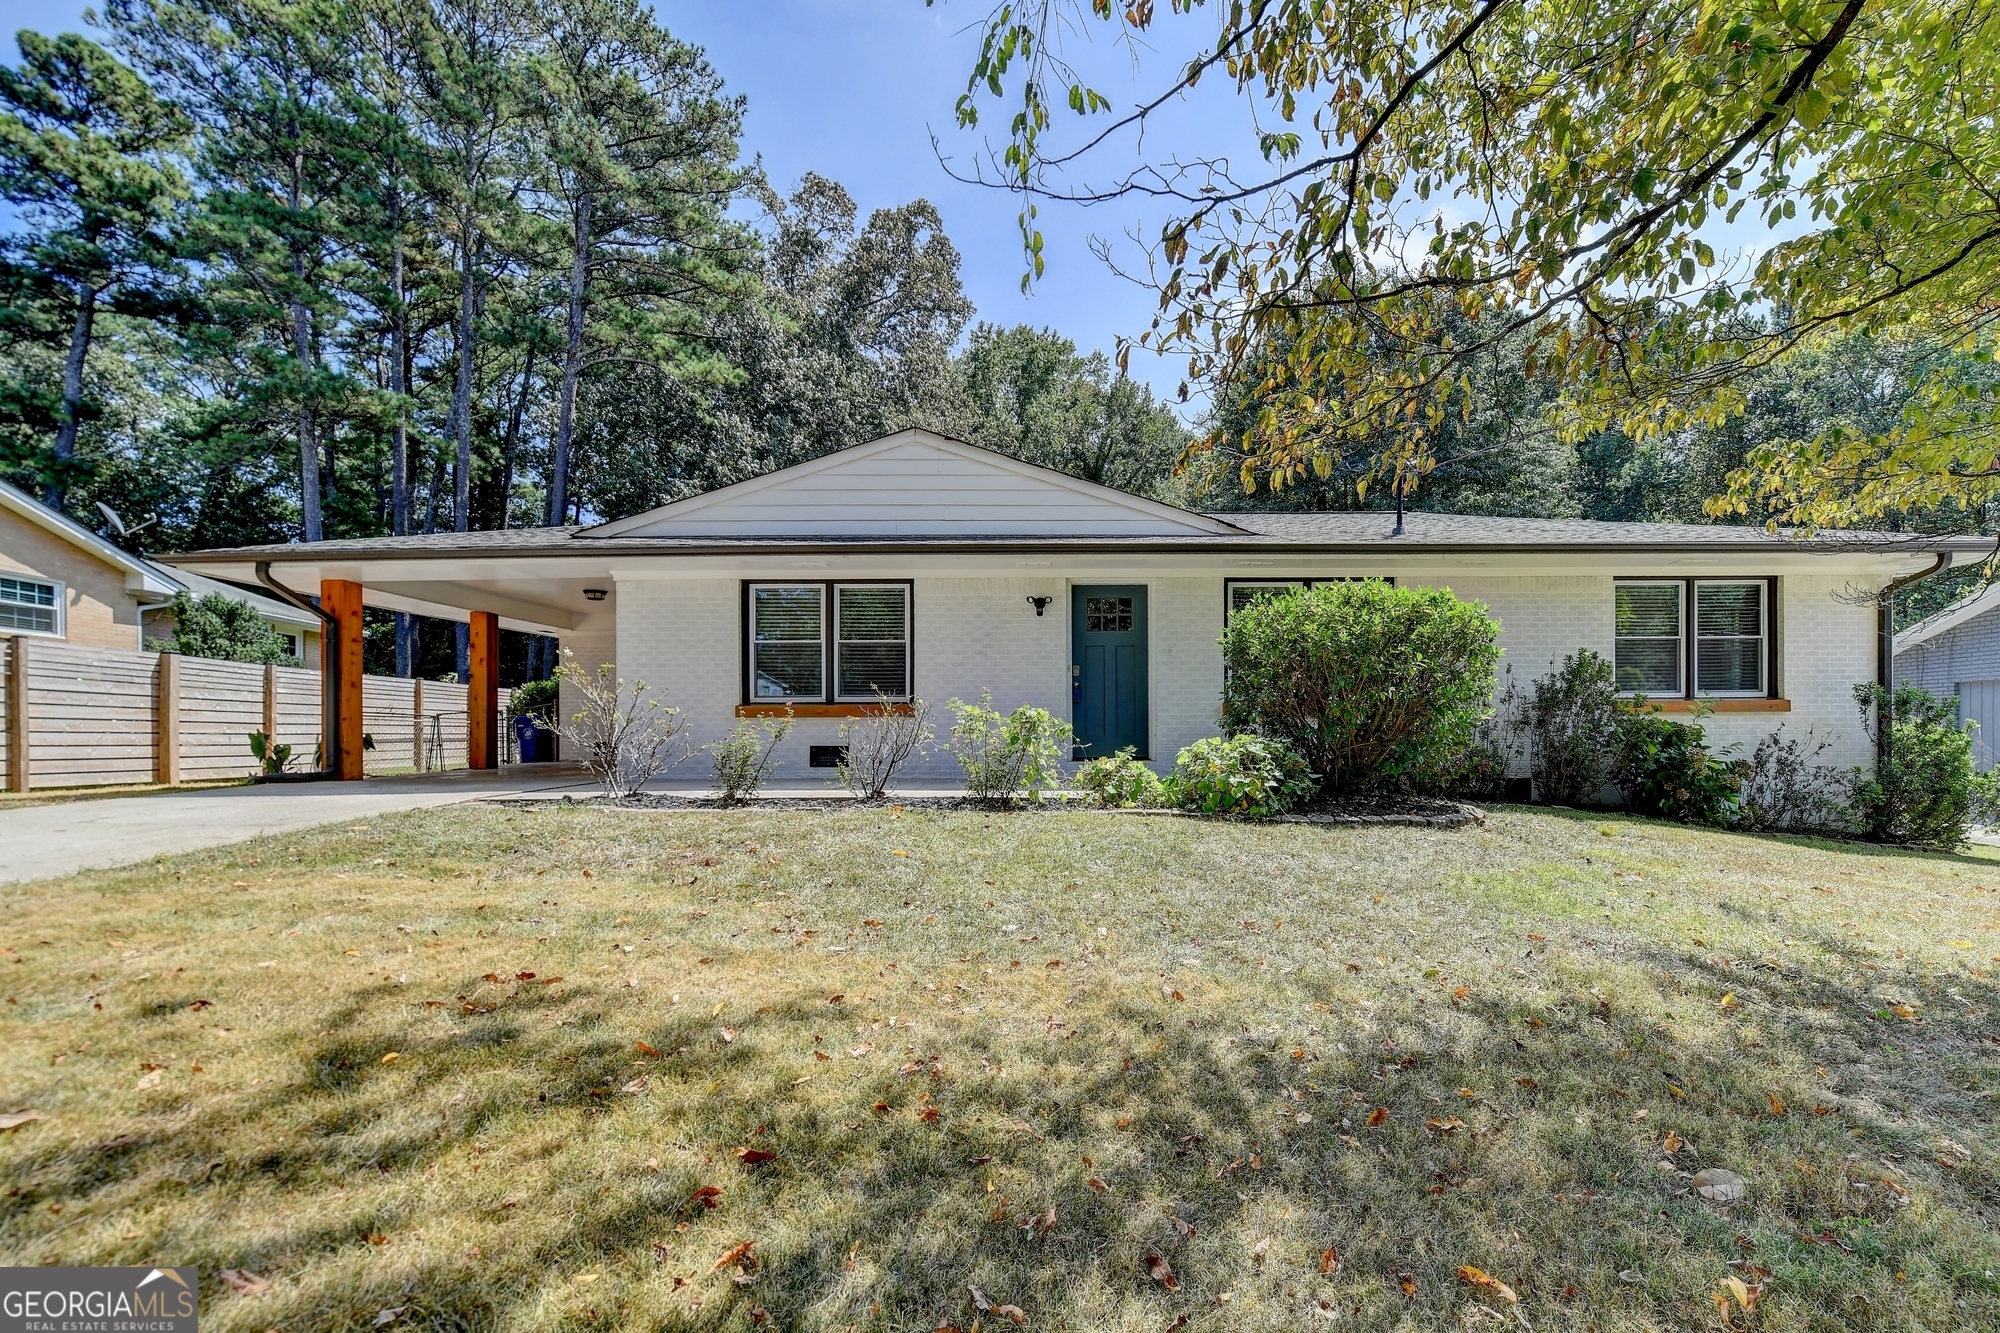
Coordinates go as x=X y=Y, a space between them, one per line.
x=1040 y=604
x=595 y=594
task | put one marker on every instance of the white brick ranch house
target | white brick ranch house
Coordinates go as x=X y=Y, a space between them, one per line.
x=921 y=565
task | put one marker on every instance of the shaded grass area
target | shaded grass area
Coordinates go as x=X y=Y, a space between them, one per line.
x=520 y=1069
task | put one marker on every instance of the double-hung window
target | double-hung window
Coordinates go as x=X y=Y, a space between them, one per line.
x=1681 y=638
x=828 y=642
x=30 y=605
x=1242 y=592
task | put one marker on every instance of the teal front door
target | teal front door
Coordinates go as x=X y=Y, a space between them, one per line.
x=1108 y=669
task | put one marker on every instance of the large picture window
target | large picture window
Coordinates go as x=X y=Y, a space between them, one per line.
x=30 y=606
x=1682 y=638
x=827 y=642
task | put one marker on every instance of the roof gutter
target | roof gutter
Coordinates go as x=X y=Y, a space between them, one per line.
x=329 y=661
x=1885 y=649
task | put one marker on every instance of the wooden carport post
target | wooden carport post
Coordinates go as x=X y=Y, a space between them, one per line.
x=482 y=695
x=340 y=679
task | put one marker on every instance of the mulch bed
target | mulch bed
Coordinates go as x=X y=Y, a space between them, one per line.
x=1409 y=811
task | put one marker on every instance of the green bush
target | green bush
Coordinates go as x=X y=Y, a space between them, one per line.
x=538 y=699
x=1120 y=780
x=1252 y=776
x=1373 y=685
x=1785 y=788
x=216 y=626
x=1007 y=756
x=745 y=758
x=1924 y=792
x=1573 y=730
x=1664 y=768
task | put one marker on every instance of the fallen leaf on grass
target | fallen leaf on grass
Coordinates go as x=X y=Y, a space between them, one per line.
x=1377 y=1116
x=384 y=1318
x=1407 y=1283
x=730 y=1256
x=1097 y=1184
x=752 y=1156
x=1162 y=1272
x=1525 y=1082
x=1450 y=1125
x=1777 y=1107
x=1487 y=1282
x=1259 y=1250
x=707 y=1194
x=861 y=1050
x=728 y=1034
x=1329 y=1262
x=1728 y=1001
x=16 y=1119
x=1673 y=1142
x=647 y=1050
x=1012 y=1312
x=244 y=1282
x=1903 y=1011
x=1181 y=1224
x=638 y=1084
x=392 y=1057
x=151 y=1080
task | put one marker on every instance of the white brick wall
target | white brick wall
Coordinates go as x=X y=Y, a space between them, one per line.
x=684 y=637
x=1187 y=664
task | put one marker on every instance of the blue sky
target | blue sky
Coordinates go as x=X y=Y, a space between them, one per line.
x=854 y=90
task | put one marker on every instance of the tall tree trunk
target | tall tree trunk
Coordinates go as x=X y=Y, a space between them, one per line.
x=399 y=439
x=54 y=490
x=514 y=438
x=461 y=392
x=579 y=282
x=309 y=500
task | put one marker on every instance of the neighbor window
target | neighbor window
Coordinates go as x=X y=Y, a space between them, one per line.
x=1729 y=653
x=828 y=642
x=1650 y=645
x=1691 y=637
x=30 y=605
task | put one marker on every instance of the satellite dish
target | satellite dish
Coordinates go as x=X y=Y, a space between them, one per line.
x=118 y=524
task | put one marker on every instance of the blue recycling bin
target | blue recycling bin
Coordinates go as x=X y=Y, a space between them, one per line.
x=537 y=743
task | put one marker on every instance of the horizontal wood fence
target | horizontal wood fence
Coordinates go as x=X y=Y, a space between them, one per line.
x=89 y=717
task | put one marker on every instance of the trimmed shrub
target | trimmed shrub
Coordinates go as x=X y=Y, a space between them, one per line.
x=1373 y=685
x=1573 y=730
x=1006 y=757
x=1785 y=789
x=745 y=757
x=1121 y=780
x=876 y=746
x=1252 y=776
x=1664 y=768
x=218 y=626
x=1925 y=793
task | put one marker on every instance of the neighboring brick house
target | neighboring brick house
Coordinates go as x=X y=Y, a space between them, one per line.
x=923 y=566
x=1956 y=653
x=60 y=580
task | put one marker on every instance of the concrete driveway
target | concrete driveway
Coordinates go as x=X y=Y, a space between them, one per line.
x=40 y=841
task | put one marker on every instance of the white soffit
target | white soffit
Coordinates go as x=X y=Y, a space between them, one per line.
x=914 y=484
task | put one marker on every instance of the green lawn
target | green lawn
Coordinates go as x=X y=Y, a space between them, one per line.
x=1311 y=1071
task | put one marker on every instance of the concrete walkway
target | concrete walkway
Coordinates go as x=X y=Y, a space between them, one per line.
x=40 y=841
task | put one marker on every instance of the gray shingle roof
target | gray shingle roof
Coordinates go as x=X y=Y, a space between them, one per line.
x=1358 y=531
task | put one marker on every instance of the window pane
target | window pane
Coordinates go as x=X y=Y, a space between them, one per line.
x=1649 y=666
x=39 y=619
x=1728 y=608
x=27 y=593
x=788 y=670
x=1647 y=610
x=1107 y=615
x=1243 y=594
x=1729 y=666
x=788 y=644
x=871 y=613
x=787 y=613
x=868 y=667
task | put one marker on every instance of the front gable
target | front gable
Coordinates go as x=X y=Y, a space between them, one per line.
x=914 y=484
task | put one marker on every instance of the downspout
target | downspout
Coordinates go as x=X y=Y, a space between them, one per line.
x=1885 y=649
x=329 y=657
